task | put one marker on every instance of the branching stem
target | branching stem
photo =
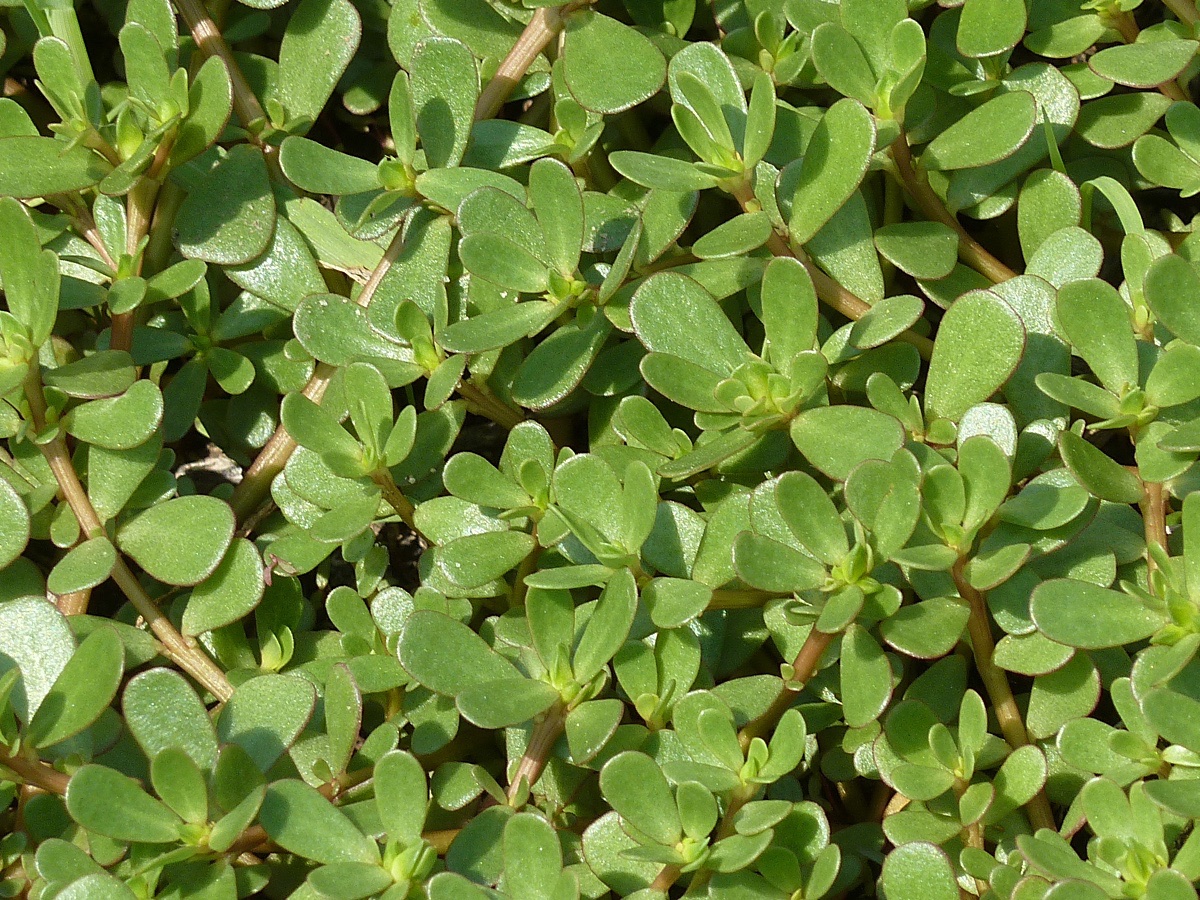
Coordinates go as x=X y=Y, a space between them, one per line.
x=546 y=732
x=547 y=23
x=804 y=666
x=830 y=292
x=255 y=485
x=187 y=655
x=1154 y=517
x=970 y=250
x=211 y=42
x=995 y=682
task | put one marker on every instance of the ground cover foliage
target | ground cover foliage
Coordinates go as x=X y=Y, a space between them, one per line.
x=464 y=448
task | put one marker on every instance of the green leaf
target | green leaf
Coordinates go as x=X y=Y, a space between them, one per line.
x=210 y=102
x=918 y=871
x=608 y=627
x=866 y=677
x=445 y=85
x=162 y=711
x=736 y=237
x=476 y=559
x=1058 y=697
x=589 y=727
x=1006 y=121
x=789 y=310
x=886 y=320
x=343 y=716
x=41 y=166
x=1143 y=64
x=926 y=630
x=504 y=263
x=979 y=344
x=1090 y=617
x=401 y=795
x=506 y=702
x=635 y=787
x=301 y=821
x=181 y=541
x=672 y=602
x=559 y=207
x=1096 y=321
x=85 y=566
x=350 y=880
x=559 y=363
x=812 y=517
x=109 y=803
x=836 y=439
x=230 y=593
x=833 y=167
x=82 y=691
x=228 y=216
x=446 y=656
x=1103 y=476
x=664 y=173
x=533 y=857
x=30 y=279
x=675 y=315
x=14 y=524
x=925 y=250
x=990 y=27
x=318 y=43
x=1169 y=282
x=265 y=716
x=840 y=60
x=180 y=783
x=772 y=566
x=106 y=373
x=318 y=169
x=1175 y=378
x=118 y=423
x=590 y=36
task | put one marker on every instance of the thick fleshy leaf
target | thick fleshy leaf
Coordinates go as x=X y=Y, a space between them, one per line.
x=1103 y=476
x=866 y=677
x=41 y=166
x=231 y=592
x=445 y=85
x=635 y=787
x=301 y=821
x=990 y=27
x=1090 y=617
x=14 y=524
x=114 y=805
x=979 y=344
x=833 y=167
x=162 y=710
x=265 y=716
x=988 y=134
x=82 y=691
x=609 y=89
x=1096 y=322
x=501 y=704
x=446 y=656
x=401 y=794
x=181 y=541
x=836 y=439
x=1170 y=282
x=229 y=215
x=919 y=871
x=1143 y=64
x=318 y=43
x=675 y=315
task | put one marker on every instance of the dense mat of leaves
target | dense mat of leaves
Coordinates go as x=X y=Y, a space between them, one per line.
x=465 y=448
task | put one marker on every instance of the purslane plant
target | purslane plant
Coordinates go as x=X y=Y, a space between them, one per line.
x=463 y=449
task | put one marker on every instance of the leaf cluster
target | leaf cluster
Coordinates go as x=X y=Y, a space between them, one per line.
x=558 y=449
